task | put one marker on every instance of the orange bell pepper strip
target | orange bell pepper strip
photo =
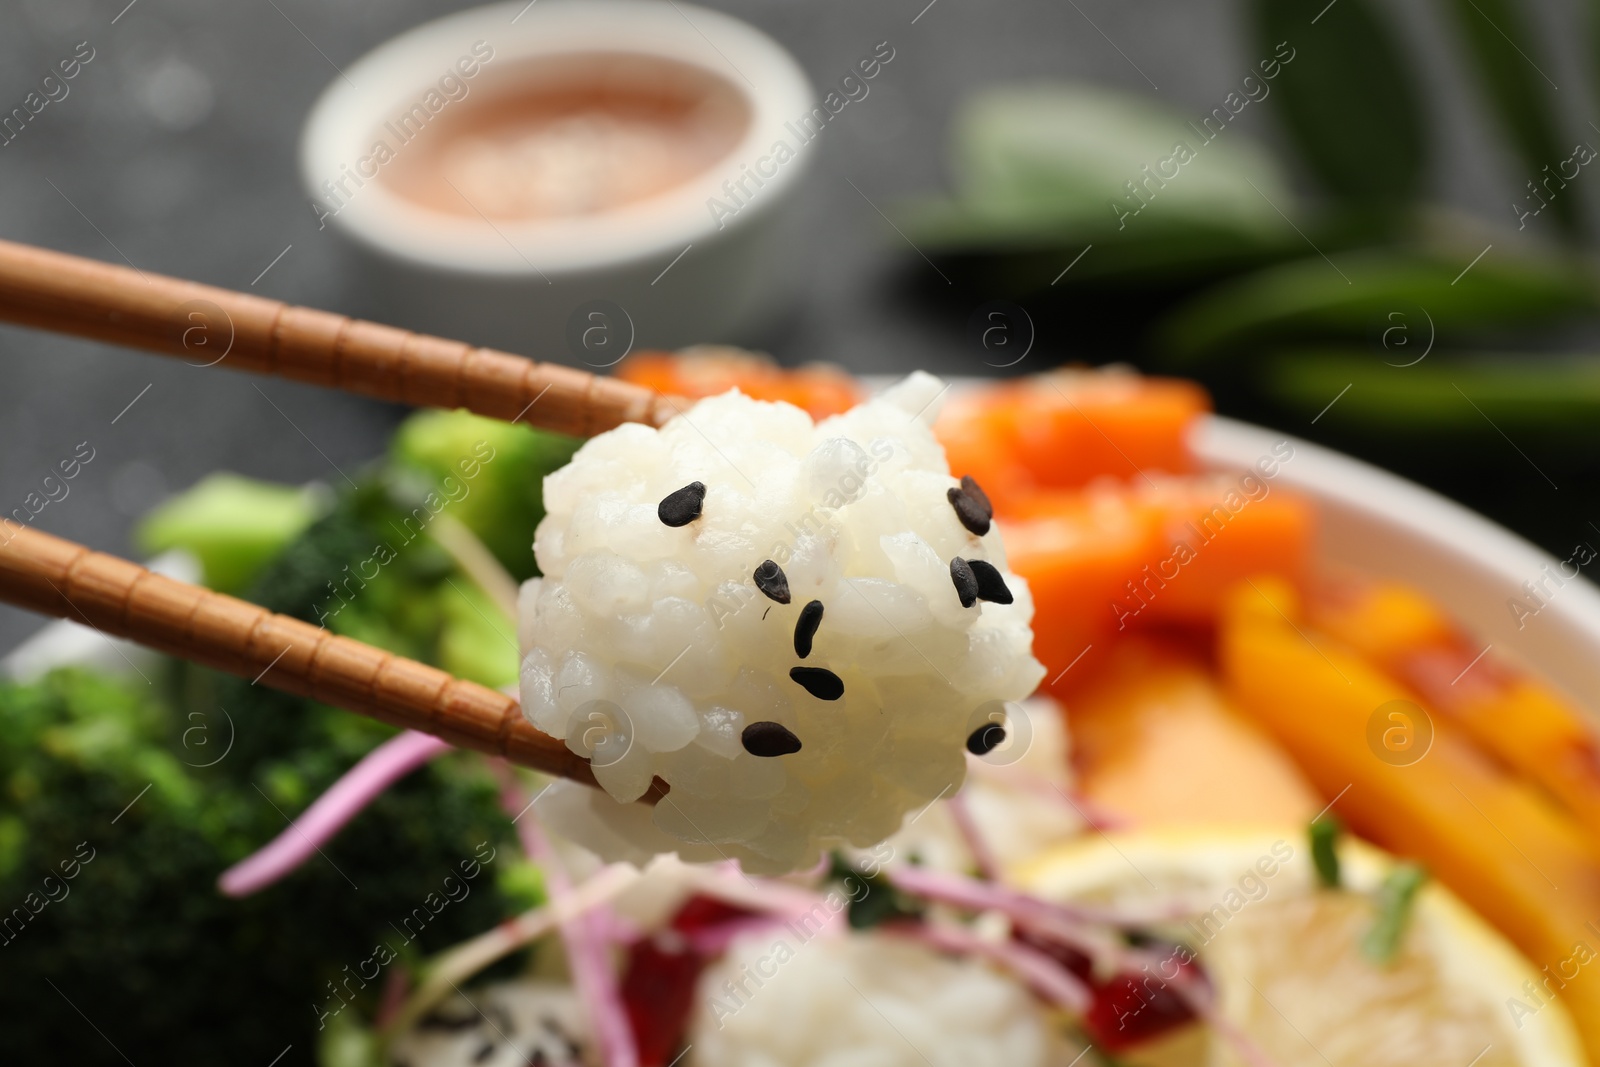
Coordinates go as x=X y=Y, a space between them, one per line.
x=1513 y=718
x=1496 y=840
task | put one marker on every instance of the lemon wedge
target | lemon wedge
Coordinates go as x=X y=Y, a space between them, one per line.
x=1286 y=960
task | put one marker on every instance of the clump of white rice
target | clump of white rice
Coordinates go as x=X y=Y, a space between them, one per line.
x=862 y=999
x=650 y=649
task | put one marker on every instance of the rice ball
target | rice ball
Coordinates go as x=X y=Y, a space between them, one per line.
x=802 y=628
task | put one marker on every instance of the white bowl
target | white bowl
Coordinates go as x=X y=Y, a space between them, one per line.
x=517 y=284
x=1385 y=526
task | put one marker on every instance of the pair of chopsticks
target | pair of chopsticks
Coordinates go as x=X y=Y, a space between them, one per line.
x=209 y=326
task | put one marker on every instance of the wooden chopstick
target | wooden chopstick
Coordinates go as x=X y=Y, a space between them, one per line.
x=207 y=326
x=121 y=599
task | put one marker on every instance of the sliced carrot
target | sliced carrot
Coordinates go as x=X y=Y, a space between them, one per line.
x=1196 y=537
x=1075 y=560
x=1067 y=428
x=1078 y=426
x=709 y=370
x=1212 y=532
x=979 y=441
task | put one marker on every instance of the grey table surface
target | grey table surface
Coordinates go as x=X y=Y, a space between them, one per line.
x=175 y=150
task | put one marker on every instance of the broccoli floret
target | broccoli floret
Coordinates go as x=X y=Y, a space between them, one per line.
x=490 y=474
x=149 y=791
x=497 y=471
x=232 y=525
x=139 y=938
x=163 y=786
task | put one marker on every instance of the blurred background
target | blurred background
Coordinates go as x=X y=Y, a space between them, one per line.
x=176 y=151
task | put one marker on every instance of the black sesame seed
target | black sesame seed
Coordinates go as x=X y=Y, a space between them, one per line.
x=986 y=738
x=966 y=582
x=819 y=682
x=682 y=507
x=768 y=739
x=976 y=495
x=771 y=580
x=806 y=628
x=972 y=514
x=991 y=586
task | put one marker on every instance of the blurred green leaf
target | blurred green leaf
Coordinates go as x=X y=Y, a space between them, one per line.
x=1346 y=98
x=346 y=1042
x=1149 y=258
x=1516 y=82
x=1324 y=834
x=1521 y=392
x=1078 y=148
x=1394 y=901
x=1039 y=164
x=873 y=899
x=522 y=885
x=1318 y=299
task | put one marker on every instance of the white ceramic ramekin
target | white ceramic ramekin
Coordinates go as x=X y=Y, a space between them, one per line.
x=523 y=285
